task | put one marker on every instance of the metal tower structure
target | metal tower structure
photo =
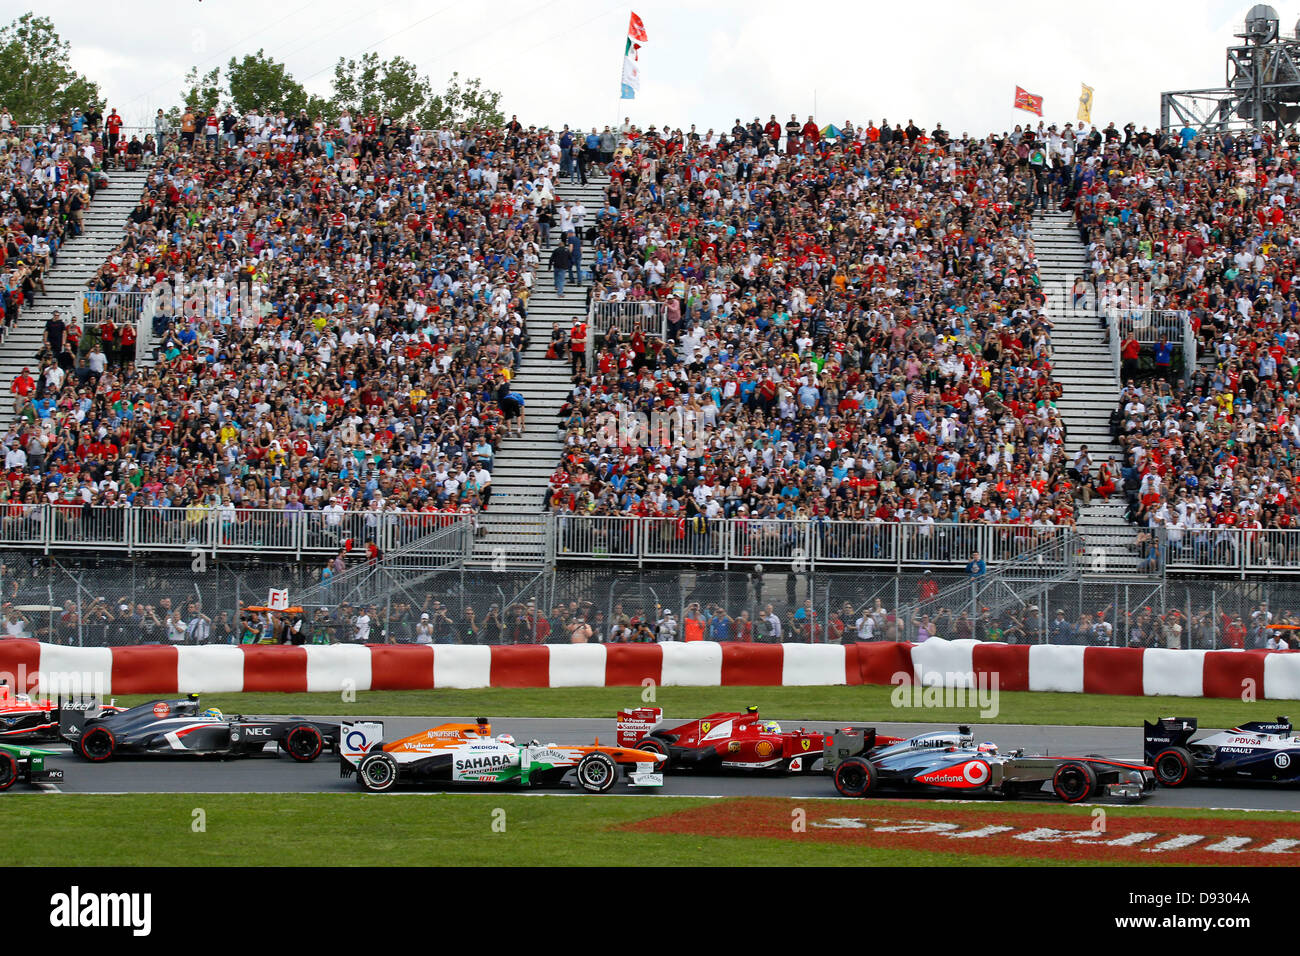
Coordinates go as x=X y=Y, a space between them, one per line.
x=1262 y=88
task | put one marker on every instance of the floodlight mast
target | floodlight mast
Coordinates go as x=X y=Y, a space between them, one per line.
x=1262 y=89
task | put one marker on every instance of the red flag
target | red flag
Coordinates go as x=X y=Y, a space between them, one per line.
x=1030 y=102
x=636 y=29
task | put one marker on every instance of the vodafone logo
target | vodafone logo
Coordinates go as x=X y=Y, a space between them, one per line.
x=161 y=710
x=973 y=773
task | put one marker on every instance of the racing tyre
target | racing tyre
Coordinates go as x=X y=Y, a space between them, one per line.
x=655 y=746
x=1173 y=766
x=97 y=744
x=855 y=777
x=8 y=771
x=1074 y=782
x=597 y=773
x=1100 y=789
x=303 y=743
x=377 y=772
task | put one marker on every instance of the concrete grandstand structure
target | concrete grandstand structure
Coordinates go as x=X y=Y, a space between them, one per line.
x=816 y=355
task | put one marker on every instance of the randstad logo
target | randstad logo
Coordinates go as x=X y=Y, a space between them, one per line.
x=75 y=910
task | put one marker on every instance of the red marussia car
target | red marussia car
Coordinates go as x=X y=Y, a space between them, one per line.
x=25 y=719
x=722 y=742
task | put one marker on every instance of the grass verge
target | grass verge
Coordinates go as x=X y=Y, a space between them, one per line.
x=457 y=829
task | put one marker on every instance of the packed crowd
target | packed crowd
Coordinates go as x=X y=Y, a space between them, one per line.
x=1208 y=225
x=853 y=331
x=47 y=180
x=854 y=326
x=345 y=307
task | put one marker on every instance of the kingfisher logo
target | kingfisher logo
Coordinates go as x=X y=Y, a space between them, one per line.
x=973 y=773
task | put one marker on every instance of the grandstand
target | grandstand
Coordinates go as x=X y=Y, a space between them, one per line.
x=1042 y=358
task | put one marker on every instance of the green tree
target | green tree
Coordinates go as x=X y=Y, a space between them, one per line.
x=393 y=87
x=259 y=83
x=468 y=105
x=37 y=82
x=200 y=91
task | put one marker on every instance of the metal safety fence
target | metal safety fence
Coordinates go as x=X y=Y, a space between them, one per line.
x=228 y=530
x=77 y=600
x=125 y=603
x=627 y=316
x=1217 y=549
x=811 y=542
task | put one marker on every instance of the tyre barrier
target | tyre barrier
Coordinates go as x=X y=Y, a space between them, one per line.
x=70 y=671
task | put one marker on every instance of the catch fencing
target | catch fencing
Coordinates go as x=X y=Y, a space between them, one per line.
x=728 y=542
x=82 y=601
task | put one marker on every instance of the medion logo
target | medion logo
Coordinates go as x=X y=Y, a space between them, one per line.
x=75 y=909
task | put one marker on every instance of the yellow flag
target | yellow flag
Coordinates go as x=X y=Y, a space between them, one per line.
x=1085 y=103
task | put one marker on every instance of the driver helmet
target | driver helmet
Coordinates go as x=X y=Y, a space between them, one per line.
x=987 y=747
x=506 y=739
x=211 y=713
x=770 y=727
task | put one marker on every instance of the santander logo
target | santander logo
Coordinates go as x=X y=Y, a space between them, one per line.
x=972 y=773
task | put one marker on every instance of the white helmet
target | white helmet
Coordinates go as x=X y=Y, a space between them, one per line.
x=506 y=739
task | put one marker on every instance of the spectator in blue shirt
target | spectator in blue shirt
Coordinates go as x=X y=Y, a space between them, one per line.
x=1164 y=358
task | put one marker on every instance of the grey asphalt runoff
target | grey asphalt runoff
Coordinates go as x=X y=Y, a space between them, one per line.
x=277 y=773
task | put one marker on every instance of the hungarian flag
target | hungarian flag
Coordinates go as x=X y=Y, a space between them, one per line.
x=1029 y=102
x=636 y=29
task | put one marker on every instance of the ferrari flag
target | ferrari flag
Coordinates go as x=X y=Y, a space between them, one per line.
x=1085 y=103
x=636 y=29
x=1029 y=102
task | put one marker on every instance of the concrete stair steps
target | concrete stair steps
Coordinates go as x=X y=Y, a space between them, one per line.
x=104 y=223
x=1081 y=363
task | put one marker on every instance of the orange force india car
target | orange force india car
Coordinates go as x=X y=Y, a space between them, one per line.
x=454 y=755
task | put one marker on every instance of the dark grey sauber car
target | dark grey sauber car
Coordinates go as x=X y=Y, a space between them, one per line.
x=175 y=728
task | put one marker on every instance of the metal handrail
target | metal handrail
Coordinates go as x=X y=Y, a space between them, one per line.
x=216 y=531
x=800 y=544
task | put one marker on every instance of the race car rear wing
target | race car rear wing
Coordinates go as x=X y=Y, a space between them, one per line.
x=634 y=725
x=73 y=715
x=848 y=742
x=355 y=741
x=1166 y=732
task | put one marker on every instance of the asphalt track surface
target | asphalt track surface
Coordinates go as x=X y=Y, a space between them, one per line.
x=276 y=773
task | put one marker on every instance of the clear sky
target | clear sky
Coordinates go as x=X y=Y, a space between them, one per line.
x=558 y=61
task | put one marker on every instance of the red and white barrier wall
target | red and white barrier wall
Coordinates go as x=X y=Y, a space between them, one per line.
x=220 y=668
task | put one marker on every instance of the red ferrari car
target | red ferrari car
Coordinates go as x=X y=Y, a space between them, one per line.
x=722 y=742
